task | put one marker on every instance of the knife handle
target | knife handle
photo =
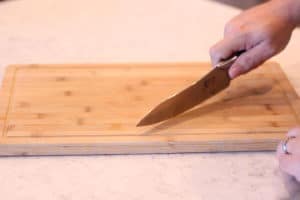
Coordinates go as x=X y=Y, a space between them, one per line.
x=226 y=63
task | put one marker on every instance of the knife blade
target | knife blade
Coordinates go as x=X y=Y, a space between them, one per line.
x=215 y=81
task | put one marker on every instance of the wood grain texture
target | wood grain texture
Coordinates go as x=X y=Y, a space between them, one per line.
x=93 y=109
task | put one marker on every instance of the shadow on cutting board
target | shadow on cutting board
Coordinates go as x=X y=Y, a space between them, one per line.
x=231 y=101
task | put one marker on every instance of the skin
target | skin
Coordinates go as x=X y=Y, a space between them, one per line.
x=290 y=163
x=263 y=32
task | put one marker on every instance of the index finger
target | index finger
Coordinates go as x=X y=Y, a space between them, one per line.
x=226 y=48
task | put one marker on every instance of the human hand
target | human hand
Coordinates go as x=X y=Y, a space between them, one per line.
x=292 y=186
x=262 y=31
x=290 y=163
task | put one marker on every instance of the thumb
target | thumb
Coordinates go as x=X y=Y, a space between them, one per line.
x=249 y=60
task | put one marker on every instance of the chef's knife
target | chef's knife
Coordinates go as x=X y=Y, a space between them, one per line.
x=215 y=81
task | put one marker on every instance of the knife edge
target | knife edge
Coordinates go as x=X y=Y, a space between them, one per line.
x=214 y=82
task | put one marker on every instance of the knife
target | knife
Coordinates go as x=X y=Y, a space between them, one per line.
x=215 y=81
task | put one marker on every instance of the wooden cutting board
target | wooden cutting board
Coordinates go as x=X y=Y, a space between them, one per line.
x=93 y=109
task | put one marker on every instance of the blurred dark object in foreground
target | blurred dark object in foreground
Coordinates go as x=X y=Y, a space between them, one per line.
x=243 y=4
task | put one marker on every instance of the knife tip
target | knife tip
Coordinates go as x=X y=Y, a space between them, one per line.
x=145 y=122
x=141 y=123
x=138 y=125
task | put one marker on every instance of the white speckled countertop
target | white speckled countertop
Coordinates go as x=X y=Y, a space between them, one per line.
x=48 y=31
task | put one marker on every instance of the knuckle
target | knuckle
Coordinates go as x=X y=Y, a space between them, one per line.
x=230 y=27
x=234 y=28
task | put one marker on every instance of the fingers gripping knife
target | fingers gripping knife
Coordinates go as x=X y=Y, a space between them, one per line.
x=215 y=81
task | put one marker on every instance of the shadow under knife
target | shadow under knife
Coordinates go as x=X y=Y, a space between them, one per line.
x=231 y=101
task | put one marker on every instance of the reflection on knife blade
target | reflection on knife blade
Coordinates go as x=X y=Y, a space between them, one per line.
x=214 y=82
x=211 y=84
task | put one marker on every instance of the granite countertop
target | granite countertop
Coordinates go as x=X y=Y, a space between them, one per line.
x=94 y=31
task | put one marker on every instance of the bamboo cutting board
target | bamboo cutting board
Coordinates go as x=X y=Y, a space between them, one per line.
x=93 y=109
